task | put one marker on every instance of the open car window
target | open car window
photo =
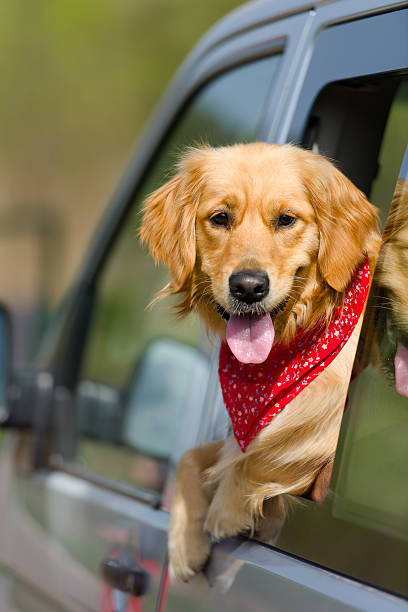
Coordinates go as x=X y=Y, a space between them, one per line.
x=144 y=373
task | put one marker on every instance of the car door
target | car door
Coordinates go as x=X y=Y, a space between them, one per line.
x=349 y=552
x=120 y=390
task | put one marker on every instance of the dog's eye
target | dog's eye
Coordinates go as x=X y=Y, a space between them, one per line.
x=285 y=220
x=221 y=219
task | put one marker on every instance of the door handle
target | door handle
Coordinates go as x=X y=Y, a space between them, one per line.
x=125 y=575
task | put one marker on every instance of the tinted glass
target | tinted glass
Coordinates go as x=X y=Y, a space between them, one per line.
x=362 y=527
x=374 y=464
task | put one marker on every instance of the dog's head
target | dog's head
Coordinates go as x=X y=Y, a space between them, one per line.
x=258 y=229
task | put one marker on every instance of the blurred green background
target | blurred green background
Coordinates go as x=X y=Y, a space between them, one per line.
x=79 y=80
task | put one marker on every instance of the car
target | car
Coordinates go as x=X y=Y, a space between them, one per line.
x=93 y=429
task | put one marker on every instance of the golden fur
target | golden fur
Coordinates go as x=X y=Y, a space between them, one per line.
x=219 y=489
x=387 y=317
x=393 y=258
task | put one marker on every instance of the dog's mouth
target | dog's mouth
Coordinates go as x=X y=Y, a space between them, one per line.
x=250 y=336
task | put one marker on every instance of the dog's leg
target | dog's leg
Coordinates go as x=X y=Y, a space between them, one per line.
x=189 y=545
x=231 y=510
x=223 y=566
x=274 y=514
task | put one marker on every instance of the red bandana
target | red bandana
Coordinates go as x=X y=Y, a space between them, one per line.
x=255 y=393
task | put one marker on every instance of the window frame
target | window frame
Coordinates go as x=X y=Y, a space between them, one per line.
x=325 y=48
x=199 y=69
x=318 y=68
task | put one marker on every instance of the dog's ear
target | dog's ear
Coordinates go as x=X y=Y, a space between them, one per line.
x=347 y=223
x=168 y=226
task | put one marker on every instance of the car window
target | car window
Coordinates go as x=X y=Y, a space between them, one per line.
x=143 y=373
x=362 y=526
x=375 y=454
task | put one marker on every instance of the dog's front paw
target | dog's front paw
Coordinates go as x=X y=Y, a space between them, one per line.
x=188 y=552
x=223 y=522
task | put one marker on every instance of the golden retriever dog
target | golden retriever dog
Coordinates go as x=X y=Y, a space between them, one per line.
x=270 y=233
x=391 y=294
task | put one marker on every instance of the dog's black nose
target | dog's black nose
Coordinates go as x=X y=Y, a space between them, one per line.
x=249 y=286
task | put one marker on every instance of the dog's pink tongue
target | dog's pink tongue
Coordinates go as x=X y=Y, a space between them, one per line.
x=250 y=338
x=401 y=370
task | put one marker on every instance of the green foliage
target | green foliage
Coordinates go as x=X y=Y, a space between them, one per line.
x=87 y=71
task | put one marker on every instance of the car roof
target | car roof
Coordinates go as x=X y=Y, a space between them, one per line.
x=254 y=14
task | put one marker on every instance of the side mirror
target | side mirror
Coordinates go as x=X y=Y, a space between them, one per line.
x=160 y=403
x=5 y=361
x=164 y=394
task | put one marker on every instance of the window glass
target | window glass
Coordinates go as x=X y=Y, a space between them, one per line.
x=141 y=366
x=375 y=455
x=392 y=149
x=362 y=527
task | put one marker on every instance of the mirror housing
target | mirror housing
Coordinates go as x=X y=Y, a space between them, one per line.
x=149 y=414
x=168 y=386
